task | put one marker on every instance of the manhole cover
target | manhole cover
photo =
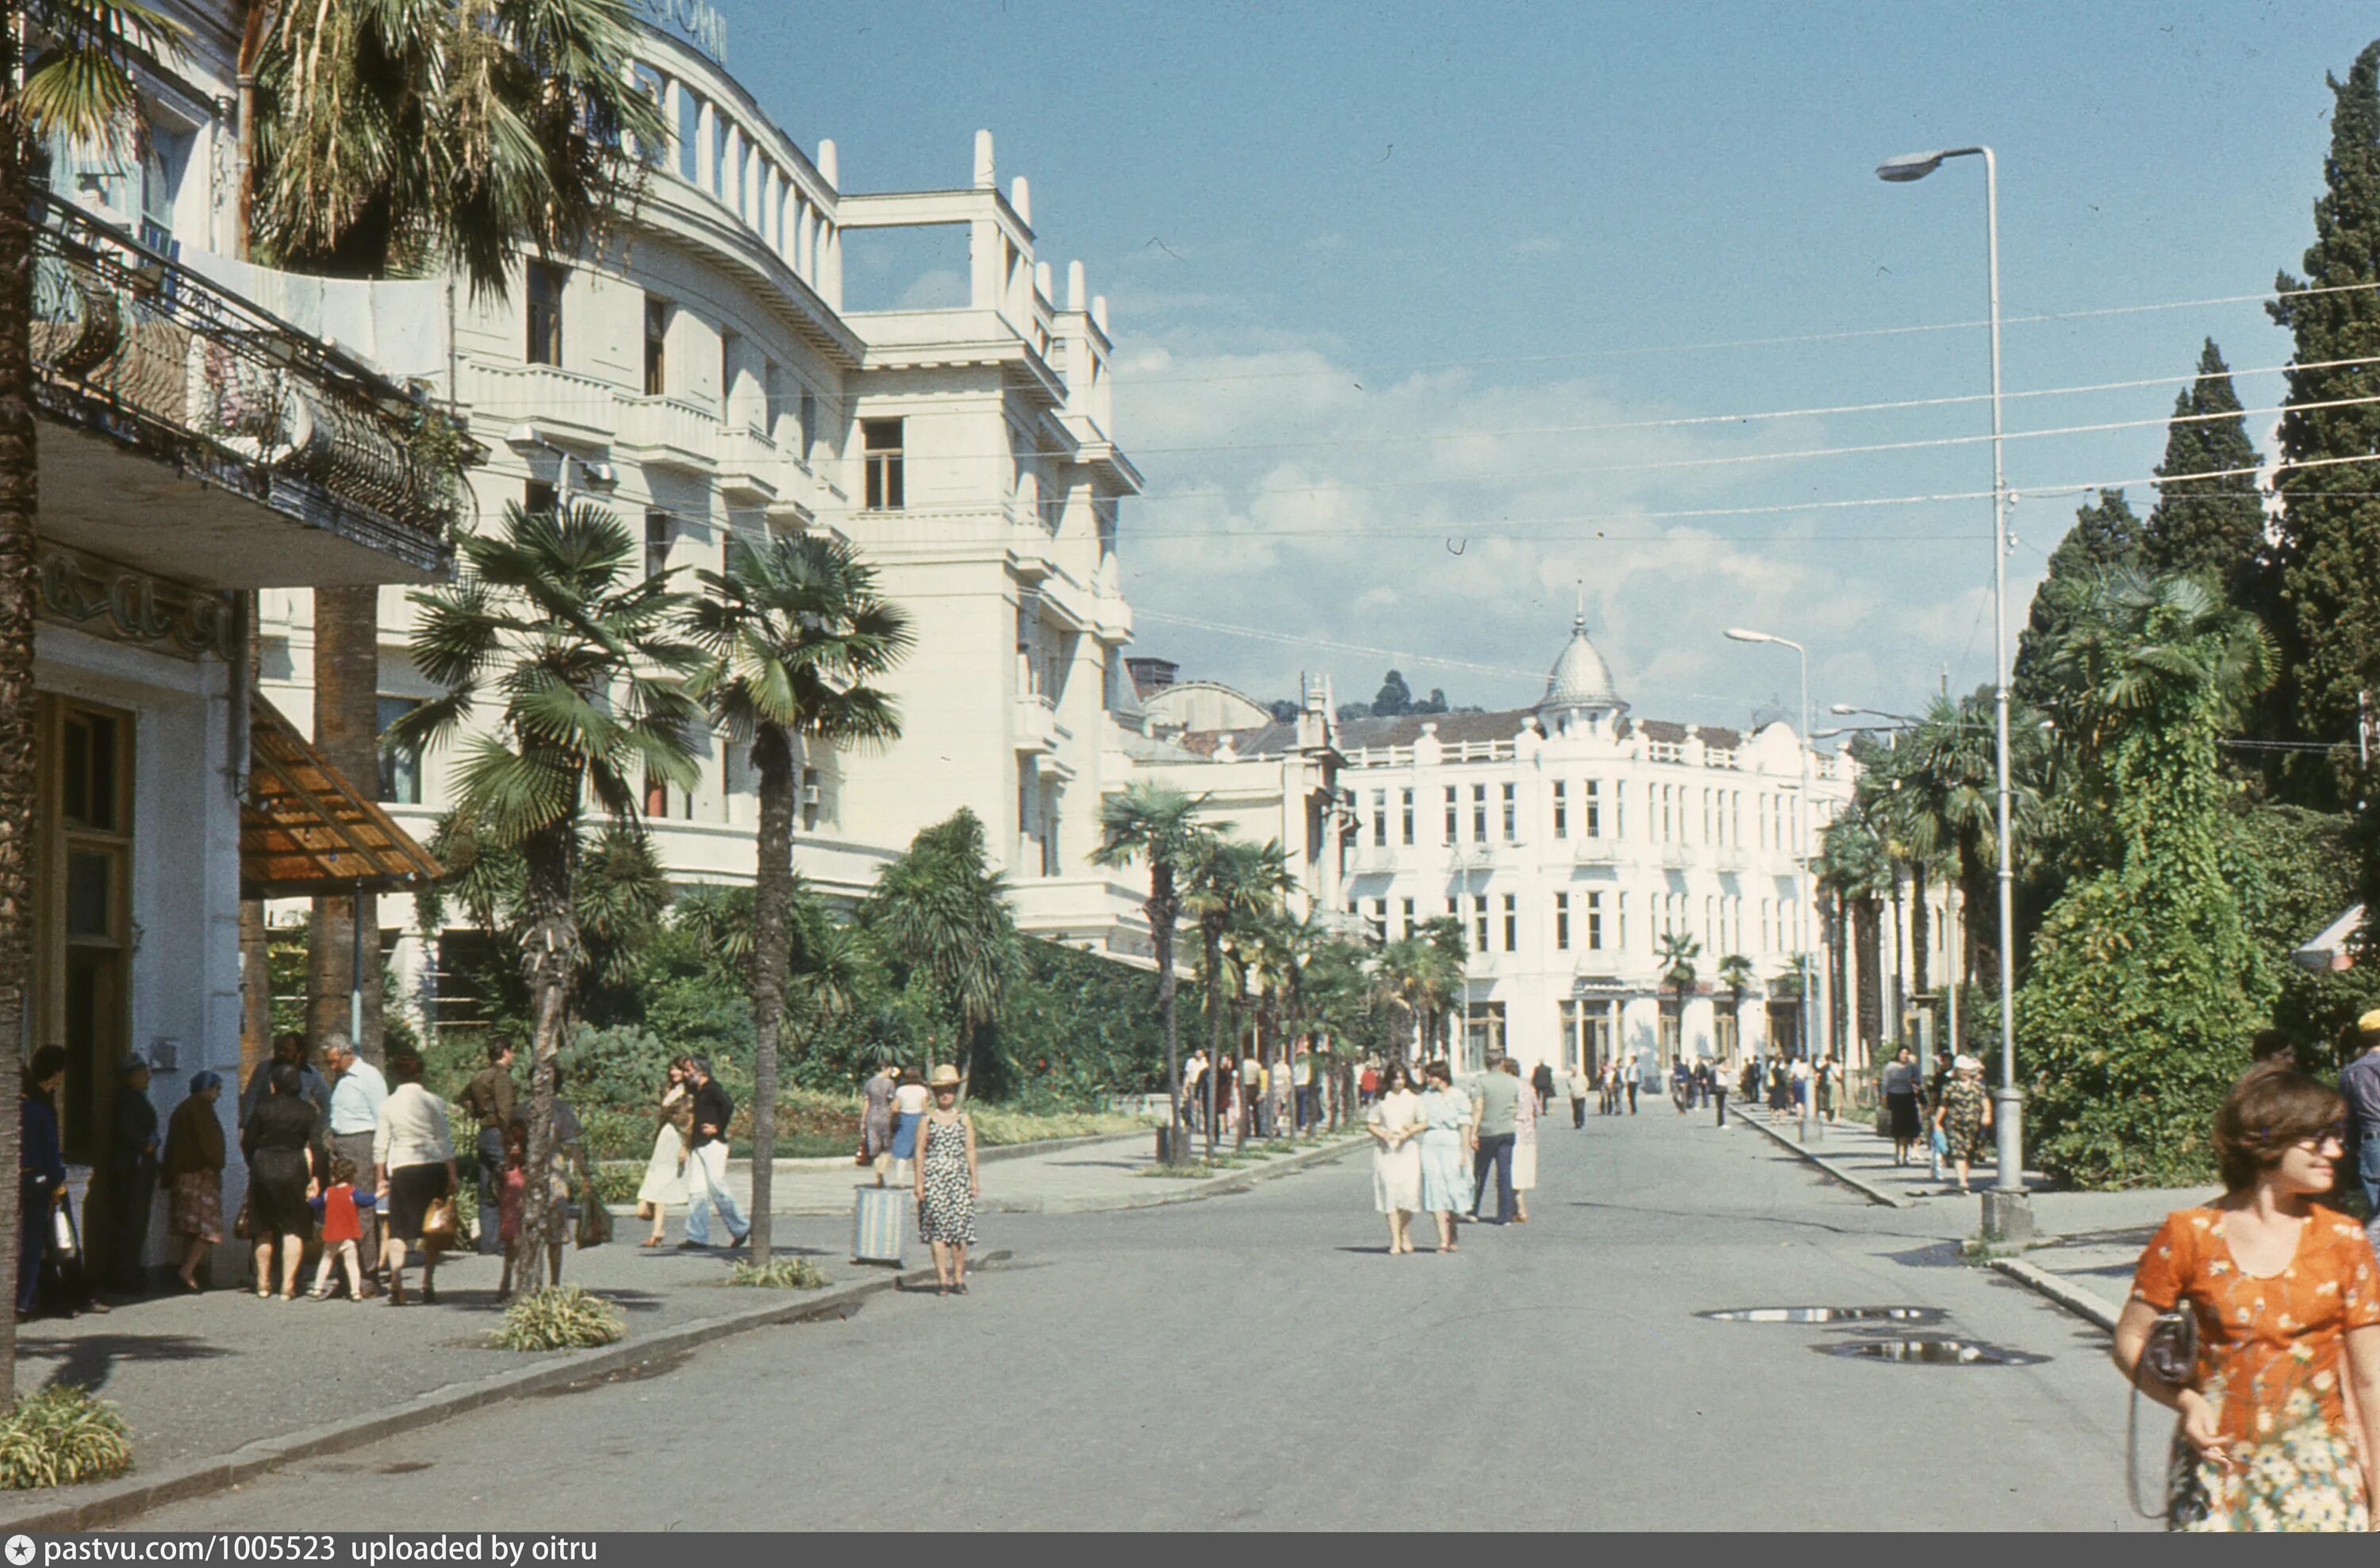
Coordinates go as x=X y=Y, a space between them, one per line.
x=1827 y=1315
x=1932 y=1352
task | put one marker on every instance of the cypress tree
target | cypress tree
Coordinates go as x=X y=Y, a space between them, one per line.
x=2106 y=535
x=2215 y=527
x=2330 y=546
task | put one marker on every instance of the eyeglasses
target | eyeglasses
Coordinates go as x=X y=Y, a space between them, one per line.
x=2335 y=1133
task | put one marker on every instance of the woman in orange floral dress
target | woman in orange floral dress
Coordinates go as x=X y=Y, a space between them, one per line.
x=2280 y=1419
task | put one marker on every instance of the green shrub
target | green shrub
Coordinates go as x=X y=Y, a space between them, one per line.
x=778 y=1273
x=58 y=1437
x=617 y=1181
x=561 y=1318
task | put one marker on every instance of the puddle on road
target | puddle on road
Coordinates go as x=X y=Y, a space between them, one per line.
x=1932 y=1352
x=1921 y=1315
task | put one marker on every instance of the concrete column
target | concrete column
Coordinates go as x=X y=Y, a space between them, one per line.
x=1021 y=198
x=1074 y=285
x=805 y=240
x=825 y=164
x=705 y=174
x=1100 y=310
x=985 y=285
x=1041 y=278
x=672 y=105
x=830 y=265
x=985 y=179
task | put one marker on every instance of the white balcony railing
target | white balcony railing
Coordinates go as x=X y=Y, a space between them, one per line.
x=1598 y=851
x=667 y=433
x=1676 y=856
x=554 y=402
x=1037 y=723
x=751 y=470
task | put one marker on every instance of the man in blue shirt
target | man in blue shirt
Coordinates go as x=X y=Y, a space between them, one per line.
x=2359 y=1082
x=357 y=1089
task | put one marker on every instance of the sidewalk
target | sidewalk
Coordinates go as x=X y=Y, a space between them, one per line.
x=201 y=1378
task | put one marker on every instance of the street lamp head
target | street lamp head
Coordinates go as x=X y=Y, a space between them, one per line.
x=1842 y=707
x=1909 y=166
x=1737 y=634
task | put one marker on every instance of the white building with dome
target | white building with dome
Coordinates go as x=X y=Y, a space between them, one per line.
x=1568 y=837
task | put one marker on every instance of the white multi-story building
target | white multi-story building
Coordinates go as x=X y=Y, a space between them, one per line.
x=701 y=378
x=1567 y=839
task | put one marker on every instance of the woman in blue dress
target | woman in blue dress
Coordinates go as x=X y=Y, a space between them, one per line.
x=1446 y=1115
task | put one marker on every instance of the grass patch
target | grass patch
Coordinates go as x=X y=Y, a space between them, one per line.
x=559 y=1318
x=1190 y=1172
x=58 y=1436
x=778 y=1273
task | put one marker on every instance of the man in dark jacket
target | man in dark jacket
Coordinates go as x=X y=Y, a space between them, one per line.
x=493 y=1100
x=131 y=1177
x=706 y=1162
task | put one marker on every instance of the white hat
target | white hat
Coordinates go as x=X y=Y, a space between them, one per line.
x=1966 y=1064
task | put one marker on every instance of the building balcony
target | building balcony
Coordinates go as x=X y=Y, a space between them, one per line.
x=1038 y=728
x=187 y=433
x=751 y=470
x=1373 y=859
x=1675 y=858
x=1729 y=860
x=558 y=406
x=1598 y=852
x=666 y=432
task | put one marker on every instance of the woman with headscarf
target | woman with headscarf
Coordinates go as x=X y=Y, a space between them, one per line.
x=40 y=1171
x=132 y=1177
x=194 y=1162
x=1964 y=1115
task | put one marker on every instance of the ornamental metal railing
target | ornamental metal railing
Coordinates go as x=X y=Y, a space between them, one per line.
x=131 y=342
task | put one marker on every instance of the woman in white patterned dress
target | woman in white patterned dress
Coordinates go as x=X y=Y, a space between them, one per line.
x=1395 y=1124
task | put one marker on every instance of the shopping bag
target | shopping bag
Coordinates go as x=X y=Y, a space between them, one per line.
x=876 y=1224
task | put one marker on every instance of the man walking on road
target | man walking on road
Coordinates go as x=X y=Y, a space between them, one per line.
x=1542 y=1081
x=1301 y=1079
x=2359 y=1082
x=1497 y=1094
x=491 y=1097
x=1579 y=1084
x=1718 y=1092
x=356 y=1090
x=706 y=1163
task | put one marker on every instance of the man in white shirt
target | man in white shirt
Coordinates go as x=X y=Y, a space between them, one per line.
x=1194 y=1099
x=1301 y=1080
x=357 y=1092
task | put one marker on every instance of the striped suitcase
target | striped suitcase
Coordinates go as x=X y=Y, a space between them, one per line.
x=877 y=1224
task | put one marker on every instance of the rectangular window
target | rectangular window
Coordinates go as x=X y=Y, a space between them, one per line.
x=1590 y=810
x=1454 y=906
x=1380 y=819
x=400 y=767
x=726 y=376
x=1620 y=810
x=544 y=346
x=1706 y=816
x=1561 y=810
x=1511 y=923
x=809 y=799
x=1479 y=922
x=1408 y=912
x=1595 y=922
x=657 y=543
x=1562 y=922
x=809 y=422
x=773 y=405
x=1621 y=933
x=648 y=82
x=657 y=320
x=1479 y=813
x=1451 y=835
x=1408 y=803
x=881 y=441
x=1378 y=923
x=538 y=497
x=1512 y=817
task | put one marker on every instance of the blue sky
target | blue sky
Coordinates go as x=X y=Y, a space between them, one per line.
x=1336 y=237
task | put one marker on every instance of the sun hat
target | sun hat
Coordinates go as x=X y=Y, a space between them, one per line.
x=1966 y=1064
x=945 y=1077
x=2369 y=1024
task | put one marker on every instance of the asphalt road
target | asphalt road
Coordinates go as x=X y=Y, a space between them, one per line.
x=1257 y=1361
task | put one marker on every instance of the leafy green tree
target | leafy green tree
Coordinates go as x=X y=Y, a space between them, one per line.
x=1736 y=973
x=2144 y=983
x=1674 y=953
x=552 y=619
x=943 y=913
x=1158 y=826
x=2329 y=522
x=1231 y=886
x=2211 y=526
x=1395 y=698
x=1421 y=977
x=2106 y=536
x=1855 y=868
x=795 y=631
x=66 y=70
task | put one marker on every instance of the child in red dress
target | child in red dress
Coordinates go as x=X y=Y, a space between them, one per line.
x=338 y=1205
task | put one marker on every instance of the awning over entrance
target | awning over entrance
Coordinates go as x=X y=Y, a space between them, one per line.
x=305 y=830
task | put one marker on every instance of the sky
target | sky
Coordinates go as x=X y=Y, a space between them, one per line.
x=1384 y=280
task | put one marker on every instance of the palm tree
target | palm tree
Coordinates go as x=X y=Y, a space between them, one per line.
x=552 y=619
x=941 y=912
x=1229 y=885
x=1676 y=953
x=1735 y=973
x=76 y=83
x=393 y=136
x=1853 y=868
x=1158 y=825
x=795 y=629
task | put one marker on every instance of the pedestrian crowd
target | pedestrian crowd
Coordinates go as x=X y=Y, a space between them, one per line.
x=1441 y=1149
x=1249 y=1097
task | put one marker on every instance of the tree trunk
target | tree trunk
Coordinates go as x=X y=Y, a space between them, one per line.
x=1212 y=933
x=20 y=515
x=1920 y=938
x=347 y=732
x=1159 y=909
x=255 y=936
x=549 y=959
x=1867 y=939
x=773 y=894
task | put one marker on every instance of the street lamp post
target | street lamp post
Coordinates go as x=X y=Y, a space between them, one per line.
x=2007 y=1213
x=1802 y=915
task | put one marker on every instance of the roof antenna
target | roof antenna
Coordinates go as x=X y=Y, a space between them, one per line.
x=1580 y=625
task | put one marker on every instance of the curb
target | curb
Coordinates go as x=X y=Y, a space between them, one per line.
x=2074 y=1298
x=1865 y=1189
x=113 y=1503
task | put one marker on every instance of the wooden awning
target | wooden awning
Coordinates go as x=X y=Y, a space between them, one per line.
x=305 y=830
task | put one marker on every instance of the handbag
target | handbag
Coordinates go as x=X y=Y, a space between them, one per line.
x=64 y=1241
x=239 y=1226
x=2170 y=1356
x=594 y=1222
x=438 y=1221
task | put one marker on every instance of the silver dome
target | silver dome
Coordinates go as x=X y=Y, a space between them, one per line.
x=1579 y=677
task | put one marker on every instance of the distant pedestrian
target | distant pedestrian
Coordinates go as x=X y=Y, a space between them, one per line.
x=281 y=1144
x=132 y=1147
x=1525 y=1151
x=1703 y=1076
x=1367 y=1084
x=1446 y=1114
x=1718 y=1092
x=2285 y=1387
x=706 y=1160
x=1899 y=1084
x=909 y=1102
x=1632 y=1080
x=1284 y=1104
x=1541 y=1079
x=1394 y=1120
x=1579 y=1086
x=492 y=1101
x=1682 y=1085
x=1780 y=1091
x=512 y=1200
x=193 y=1172
x=1301 y=1081
x=1964 y=1117
x=2359 y=1081
x=1497 y=1094
x=40 y=1171
x=876 y=1118
x=356 y=1090
x=1823 y=1077
x=1251 y=1097
x=1799 y=1074
x=339 y=1209
x=1194 y=1088
x=947 y=1184
x=413 y=1157
x=665 y=1181
x=1606 y=1085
